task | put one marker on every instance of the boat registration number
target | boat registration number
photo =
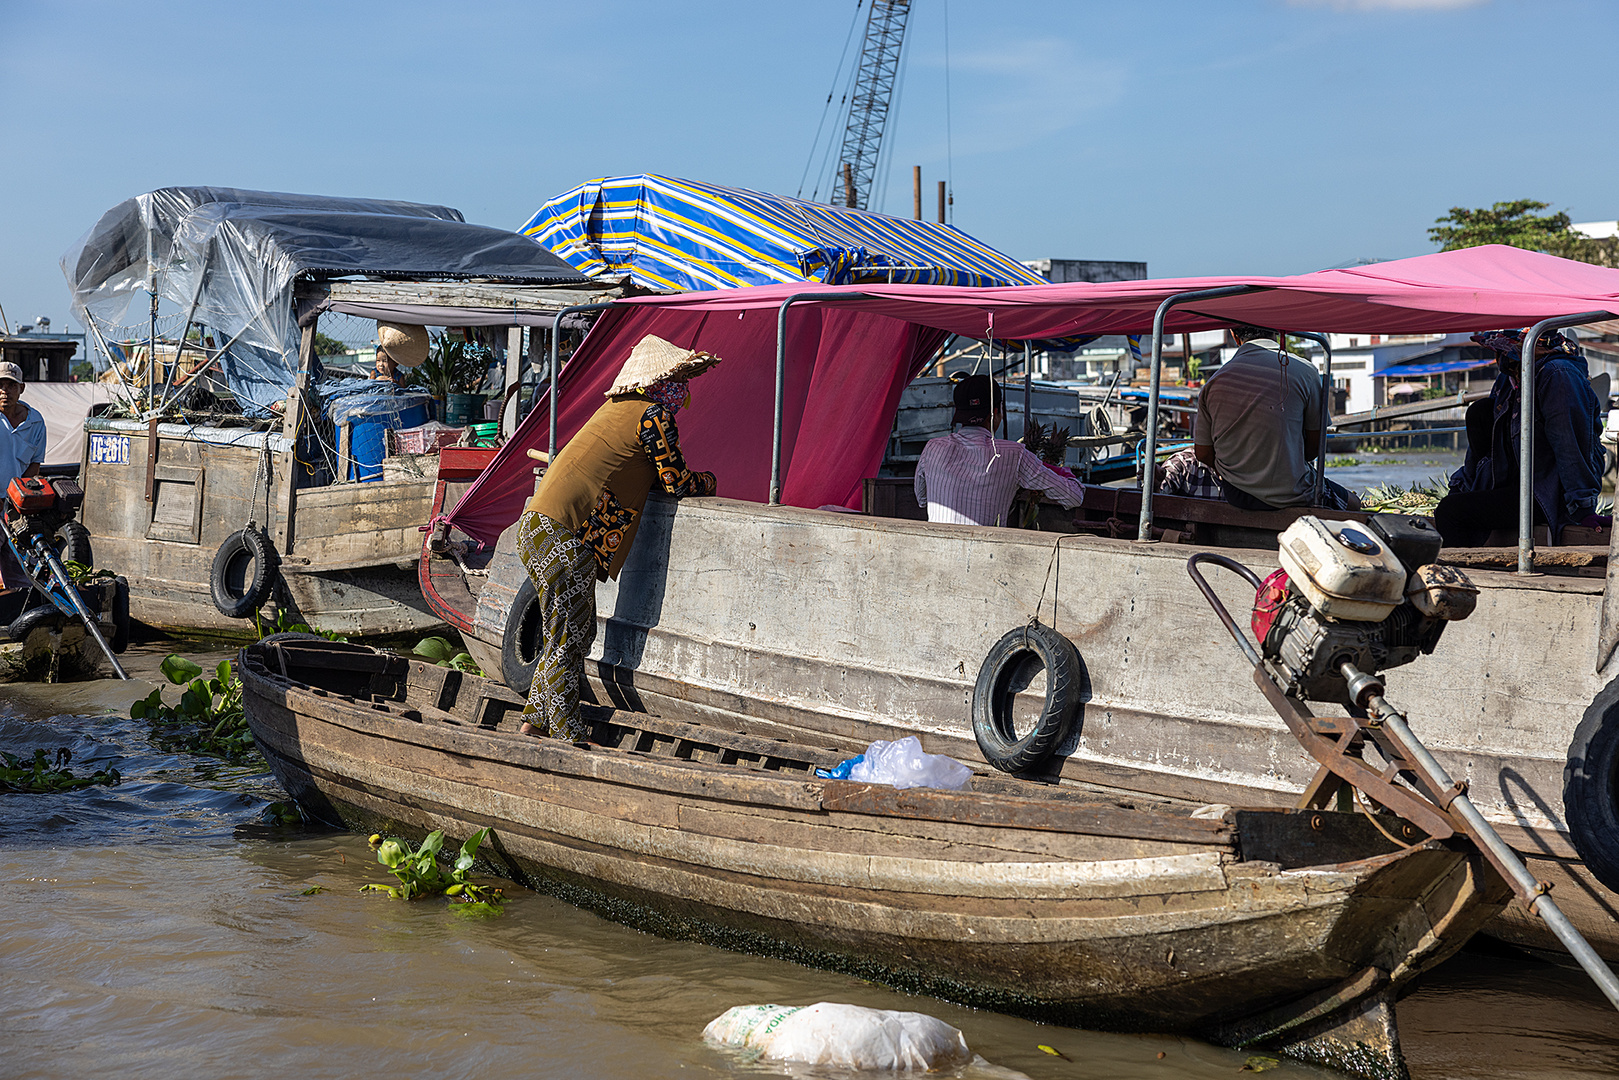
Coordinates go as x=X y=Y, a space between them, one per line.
x=109 y=449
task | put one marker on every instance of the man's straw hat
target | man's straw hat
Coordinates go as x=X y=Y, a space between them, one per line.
x=653 y=360
x=405 y=343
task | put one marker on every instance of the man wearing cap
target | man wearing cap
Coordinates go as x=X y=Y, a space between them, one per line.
x=22 y=450
x=970 y=477
x=582 y=519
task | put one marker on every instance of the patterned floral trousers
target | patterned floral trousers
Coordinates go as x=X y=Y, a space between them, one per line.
x=564 y=574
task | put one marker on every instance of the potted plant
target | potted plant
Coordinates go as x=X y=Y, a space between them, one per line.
x=453 y=374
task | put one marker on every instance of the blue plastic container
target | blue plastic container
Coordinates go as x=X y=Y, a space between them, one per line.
x=368 y=439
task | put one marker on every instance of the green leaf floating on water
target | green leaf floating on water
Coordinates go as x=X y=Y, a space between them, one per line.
x=420 y=873
x=312 y=890
x=1258 y=1063
x=178 y=669
x=436 y=649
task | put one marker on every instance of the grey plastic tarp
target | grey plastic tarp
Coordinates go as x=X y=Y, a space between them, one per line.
x=237 y=253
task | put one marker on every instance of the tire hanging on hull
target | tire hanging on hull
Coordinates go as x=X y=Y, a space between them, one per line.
x=993 y=696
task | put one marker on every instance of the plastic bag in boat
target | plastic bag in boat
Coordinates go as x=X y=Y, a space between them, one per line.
x=846 y=1036
x=903 y=764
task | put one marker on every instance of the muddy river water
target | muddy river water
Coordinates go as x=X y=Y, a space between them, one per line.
x=160 y=929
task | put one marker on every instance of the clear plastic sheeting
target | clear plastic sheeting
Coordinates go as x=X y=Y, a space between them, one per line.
x=344 y=399
x=229 y=257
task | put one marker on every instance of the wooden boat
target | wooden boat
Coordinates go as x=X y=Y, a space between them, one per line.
x=891 y=620
x=213 y=515
x=1264 y=927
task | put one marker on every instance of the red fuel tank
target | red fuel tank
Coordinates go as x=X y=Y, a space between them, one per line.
x=29 y=493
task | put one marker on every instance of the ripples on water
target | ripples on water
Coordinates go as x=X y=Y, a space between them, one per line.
x=156 y=929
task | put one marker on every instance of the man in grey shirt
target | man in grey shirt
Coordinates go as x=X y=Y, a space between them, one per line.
x=1258 y=419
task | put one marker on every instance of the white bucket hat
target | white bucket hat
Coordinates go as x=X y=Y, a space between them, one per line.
x=405 y=343
x=654 y=360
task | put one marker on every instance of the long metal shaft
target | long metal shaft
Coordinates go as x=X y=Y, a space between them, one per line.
x=1500 y=854
x=556 y=336
x=779 y=414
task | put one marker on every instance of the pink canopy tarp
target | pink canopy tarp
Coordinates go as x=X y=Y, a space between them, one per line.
x=850 y=357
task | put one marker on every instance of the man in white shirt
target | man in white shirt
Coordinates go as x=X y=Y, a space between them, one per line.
x=971 y=477
x=22 y=450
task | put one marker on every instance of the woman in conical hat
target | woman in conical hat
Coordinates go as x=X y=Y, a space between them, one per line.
x=581 y=521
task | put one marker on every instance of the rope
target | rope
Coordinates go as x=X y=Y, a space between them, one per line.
x=1053 y=564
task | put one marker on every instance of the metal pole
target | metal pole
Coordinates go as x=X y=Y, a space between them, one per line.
x=1150 y=445
x=781 y=378
x=1526 y=431
x=1523 y=883
x=1027 y=391
x=1326 y=412
x=556 y=336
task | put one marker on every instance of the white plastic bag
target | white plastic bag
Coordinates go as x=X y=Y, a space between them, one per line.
x=847 y=1036
x=903 y=764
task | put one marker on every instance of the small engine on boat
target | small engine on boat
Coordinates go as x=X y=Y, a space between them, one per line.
x=36 y=504
x=1368 y=595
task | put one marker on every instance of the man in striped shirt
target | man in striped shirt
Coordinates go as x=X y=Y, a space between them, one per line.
x=971 y=477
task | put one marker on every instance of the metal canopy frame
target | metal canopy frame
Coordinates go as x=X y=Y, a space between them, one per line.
x=556 y=336
x=1526 y=430
x=781 y=378
x=1150 y=444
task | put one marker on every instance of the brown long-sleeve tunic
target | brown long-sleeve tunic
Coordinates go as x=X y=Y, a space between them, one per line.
x=599 y=482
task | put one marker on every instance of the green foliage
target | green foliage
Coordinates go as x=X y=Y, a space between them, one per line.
x=281 y=813
x=441 y=652
x=453 y=366
x=329 y=346
x=1342 y=462
x=48 y=774
x=287 y=623
x=208 y=718
x=1515 y=224
x=420 y=873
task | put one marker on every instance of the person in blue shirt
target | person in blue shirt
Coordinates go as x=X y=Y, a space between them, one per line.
x=22 y=451
x=1568 y=459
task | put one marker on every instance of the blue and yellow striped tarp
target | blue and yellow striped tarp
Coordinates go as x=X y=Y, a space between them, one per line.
x=682 y=236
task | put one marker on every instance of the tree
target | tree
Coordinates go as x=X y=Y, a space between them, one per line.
x=1515 y=223
x=328 y=346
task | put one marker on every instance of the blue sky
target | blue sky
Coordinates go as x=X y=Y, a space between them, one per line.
x=1203 y=137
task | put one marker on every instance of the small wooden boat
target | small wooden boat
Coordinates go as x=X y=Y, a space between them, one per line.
x=1292 y=930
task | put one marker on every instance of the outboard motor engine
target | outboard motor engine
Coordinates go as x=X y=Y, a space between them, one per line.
x=1368 y=595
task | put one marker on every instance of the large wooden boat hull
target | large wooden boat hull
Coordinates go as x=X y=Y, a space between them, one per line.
x=160 y=503
x=1022 y=897
x=826 y=622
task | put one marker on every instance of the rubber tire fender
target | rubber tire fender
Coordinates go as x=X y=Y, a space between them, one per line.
x=33 y=619
x=520 y=645
x=72 y=543
x=1591 y=787
x=252 y=547
x=992 y=700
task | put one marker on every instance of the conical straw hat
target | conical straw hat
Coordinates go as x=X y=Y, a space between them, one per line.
x=405 y=343
x=653 y=360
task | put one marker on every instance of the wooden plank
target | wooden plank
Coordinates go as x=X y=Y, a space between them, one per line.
x=1021 y=813
x=525 y=298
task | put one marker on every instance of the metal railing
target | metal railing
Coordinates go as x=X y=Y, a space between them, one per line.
x=1150 y=446
x=1526 y=430
x=556 y=336
x=781 y=378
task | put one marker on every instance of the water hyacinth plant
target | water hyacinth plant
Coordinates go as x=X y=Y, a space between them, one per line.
x=420 y=873
x=48 y=774
x=208 y=718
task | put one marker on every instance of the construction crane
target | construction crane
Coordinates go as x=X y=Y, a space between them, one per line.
x=868 y=103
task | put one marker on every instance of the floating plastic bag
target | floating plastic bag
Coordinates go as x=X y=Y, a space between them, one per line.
x=847 y=1036
x=903 y=764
